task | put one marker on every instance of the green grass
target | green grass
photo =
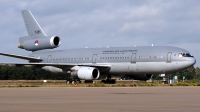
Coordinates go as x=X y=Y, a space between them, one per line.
x=98 y=84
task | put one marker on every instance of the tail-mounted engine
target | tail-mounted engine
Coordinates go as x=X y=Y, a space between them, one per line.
x=34 y=44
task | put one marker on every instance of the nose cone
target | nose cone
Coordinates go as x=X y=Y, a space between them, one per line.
x=187 y=62
x=191 y=61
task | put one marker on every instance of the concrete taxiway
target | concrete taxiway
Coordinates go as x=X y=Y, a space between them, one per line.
x=62 y=99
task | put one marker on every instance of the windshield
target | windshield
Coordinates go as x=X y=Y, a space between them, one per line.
x=184 y=55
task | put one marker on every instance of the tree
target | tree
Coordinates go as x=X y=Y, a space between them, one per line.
x=197 y=73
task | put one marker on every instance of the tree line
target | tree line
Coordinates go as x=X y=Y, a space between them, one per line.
x=190 y=73
x=30 y=73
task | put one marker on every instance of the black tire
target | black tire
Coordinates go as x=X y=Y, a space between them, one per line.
x=88 y=81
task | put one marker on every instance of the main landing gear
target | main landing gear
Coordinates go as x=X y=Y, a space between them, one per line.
x=73 y=81
x=108 y=80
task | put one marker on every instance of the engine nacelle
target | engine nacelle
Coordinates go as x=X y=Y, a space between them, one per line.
x=86 y=73
x=52 y=69
x=143 y=77
x=40 y=43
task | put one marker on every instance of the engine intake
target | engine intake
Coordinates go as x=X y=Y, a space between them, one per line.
x=86 y=73
x=31 y=44
x=55 y=41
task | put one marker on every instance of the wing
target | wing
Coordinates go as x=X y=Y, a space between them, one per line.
x=101 y=67
x=33 y=59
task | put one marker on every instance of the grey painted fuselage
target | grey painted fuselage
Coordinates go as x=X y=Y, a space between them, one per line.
x=124 y=60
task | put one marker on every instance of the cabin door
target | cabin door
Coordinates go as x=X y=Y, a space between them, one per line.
x=132 y=67
x=94 y=58
x=133 y=57
x=169 y=57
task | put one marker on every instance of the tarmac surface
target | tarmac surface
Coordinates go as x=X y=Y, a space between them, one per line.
x=99 y=99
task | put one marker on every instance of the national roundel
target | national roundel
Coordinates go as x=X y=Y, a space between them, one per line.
x=36 y=43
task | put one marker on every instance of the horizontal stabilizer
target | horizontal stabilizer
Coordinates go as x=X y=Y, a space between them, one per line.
x=33 y=59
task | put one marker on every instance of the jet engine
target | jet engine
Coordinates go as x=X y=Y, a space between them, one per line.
x=32 y=44
x=143 y=77
x=86 y=73
x=52 y=69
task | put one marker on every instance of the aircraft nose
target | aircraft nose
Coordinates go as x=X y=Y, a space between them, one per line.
x=192 y=61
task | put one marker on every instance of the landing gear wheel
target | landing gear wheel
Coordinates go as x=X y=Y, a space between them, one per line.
x=73 y=81
x=109 y=81
x=69 y=81
x=88 y=81
x=78 y=81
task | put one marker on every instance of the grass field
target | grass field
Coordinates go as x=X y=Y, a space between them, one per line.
x=97 y=83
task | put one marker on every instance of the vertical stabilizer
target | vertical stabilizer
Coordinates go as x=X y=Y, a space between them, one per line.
x=36 y=39
x=33 y=28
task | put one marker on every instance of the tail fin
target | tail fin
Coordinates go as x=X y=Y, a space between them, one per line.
x=36 y=39
x=33 y=28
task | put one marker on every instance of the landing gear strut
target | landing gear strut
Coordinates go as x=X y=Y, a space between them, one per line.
x=108 y=80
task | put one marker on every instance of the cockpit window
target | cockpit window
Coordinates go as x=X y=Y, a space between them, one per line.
x=184 y=55
x=180 y=55
x=188 y=55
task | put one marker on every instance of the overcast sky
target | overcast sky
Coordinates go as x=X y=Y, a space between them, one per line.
x=95 y=23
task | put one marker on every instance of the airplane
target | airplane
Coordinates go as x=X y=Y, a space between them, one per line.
x=139 y=62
